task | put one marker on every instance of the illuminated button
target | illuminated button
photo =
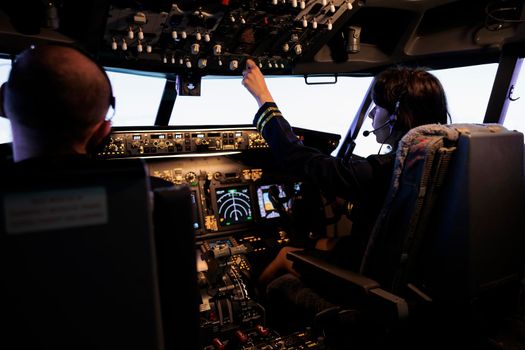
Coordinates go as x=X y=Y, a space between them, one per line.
x=262 y=330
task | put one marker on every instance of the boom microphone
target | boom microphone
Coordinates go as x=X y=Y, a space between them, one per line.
x=368 y=132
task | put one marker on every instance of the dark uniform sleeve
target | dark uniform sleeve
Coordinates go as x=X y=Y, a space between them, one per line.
x=354 y=180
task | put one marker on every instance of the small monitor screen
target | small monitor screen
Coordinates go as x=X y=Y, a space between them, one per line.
x=234 y=205
x=266 y=207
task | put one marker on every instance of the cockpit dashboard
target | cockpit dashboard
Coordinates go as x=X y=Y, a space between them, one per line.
x=242 y=211
x=231 y=172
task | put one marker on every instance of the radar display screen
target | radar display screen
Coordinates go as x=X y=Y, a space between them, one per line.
x=234 y=205
x=266 y=207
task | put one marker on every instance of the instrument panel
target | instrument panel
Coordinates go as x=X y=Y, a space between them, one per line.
x=229 y=195
x=235 y=182
x=125 y=143
x=217 y=37
x=245 y=207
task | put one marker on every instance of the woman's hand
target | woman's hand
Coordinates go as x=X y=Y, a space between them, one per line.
x=254 y=82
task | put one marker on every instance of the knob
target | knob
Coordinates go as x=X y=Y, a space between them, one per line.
x=217 y=49
x=131 y=35
x=190 y=176
x=140 y=34
x=298 y=49
x=234 y=64
x=195 y=48
x=218 y=344
x=262 y=330
x=241 y=336
x=174 y=34
x=183 y=34
x=198 y=36
x=149 y=48
x=202 y=62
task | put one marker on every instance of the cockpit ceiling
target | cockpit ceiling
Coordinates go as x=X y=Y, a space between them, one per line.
x=282 y=36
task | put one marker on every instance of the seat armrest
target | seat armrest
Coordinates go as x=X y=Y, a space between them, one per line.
x=302 y=261
x=380 y=304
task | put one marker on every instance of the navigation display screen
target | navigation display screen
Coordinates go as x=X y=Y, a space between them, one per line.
x=266 y=207
x=234 y=205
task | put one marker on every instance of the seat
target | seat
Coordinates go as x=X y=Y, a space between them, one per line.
x=78 y=260
x=176 y=265
x=445 y=260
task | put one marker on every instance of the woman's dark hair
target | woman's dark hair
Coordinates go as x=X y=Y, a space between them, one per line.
x=419 y=97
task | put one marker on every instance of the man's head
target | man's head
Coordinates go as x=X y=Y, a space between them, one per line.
x=57 y=99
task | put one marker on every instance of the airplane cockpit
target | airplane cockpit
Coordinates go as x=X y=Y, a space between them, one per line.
x=183 y=114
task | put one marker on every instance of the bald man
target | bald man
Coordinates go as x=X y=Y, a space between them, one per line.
x=57 y=100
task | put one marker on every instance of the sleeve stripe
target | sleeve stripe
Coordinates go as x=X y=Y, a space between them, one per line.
x=275 y=114
x=269 y=110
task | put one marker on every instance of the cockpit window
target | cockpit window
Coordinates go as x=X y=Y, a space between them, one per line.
x=137 y=98
x=468 y=91
x=323 y=107
x=5 y=125
x=515 y=117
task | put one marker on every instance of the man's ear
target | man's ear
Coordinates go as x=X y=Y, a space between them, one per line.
x=2 y=93
x=97 y=141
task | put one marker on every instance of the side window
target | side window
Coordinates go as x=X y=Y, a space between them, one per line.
x=468 y=91
x=515 y=117
x=5 y=125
